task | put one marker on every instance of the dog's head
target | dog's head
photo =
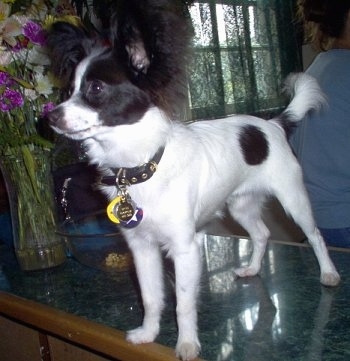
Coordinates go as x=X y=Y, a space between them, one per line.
x=111 y=85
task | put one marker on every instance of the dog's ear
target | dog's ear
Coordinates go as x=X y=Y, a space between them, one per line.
x=128 y=39
x=67 y=45
x=137 y=53
x=151 y=40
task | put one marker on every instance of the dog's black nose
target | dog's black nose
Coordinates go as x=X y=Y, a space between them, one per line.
x=55 y=116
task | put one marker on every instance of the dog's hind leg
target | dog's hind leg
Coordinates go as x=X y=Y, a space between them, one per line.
x=246 y=210
x=298 y=206
x=148 y=263
x=329 y=274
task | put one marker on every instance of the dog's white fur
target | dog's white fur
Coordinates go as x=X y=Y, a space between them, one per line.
x=202 y=169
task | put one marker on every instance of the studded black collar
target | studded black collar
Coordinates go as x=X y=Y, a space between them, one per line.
x=135 y=175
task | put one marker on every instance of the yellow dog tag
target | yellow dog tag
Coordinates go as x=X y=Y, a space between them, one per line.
x=111 y=209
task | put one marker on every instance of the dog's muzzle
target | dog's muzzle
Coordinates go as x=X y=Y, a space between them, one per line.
x=55 y=118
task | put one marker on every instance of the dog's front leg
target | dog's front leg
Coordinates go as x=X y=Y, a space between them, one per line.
x=188 y=270
x=148 y=263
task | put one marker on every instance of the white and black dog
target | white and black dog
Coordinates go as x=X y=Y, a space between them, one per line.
x=167 y=178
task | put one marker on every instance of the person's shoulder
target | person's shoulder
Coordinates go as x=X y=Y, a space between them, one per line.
x=334 y=57
x=331 y=66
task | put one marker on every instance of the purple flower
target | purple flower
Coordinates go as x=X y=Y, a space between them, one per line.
x=10 y=99
x=47 y=108
x=4 y=77
x=34 y=33
x=21 y=44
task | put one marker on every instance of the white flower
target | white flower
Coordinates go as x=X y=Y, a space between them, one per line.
x=39 y=69
x=5 y=57
x=38 y=56
x=21 y=20
x=43 y=85
x=38 y=10
x=31 y=94
x=9 y=26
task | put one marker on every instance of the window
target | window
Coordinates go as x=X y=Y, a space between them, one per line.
x=243 y=49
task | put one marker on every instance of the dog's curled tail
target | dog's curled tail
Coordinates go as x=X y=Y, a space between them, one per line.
x=307 y=96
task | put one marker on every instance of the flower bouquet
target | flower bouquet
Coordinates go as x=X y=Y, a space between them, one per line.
x=27 y=93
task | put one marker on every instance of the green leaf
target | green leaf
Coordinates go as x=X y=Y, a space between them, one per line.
x=30 y=165
x=21 y=82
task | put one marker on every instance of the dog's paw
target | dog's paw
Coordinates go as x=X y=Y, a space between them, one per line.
x=141 y=335
x=187 y=350
x=246 y=271
x=330 y=278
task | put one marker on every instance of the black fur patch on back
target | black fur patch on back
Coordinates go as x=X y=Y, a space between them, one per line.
x=254 y=145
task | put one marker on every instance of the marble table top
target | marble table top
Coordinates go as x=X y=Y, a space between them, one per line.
x=282 y=314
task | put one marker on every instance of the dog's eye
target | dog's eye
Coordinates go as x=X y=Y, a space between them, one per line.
x=96 y=86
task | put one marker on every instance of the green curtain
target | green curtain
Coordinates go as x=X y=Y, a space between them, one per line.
x=242 y=51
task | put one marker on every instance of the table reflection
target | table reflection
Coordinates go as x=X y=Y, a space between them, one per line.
x=284 y=313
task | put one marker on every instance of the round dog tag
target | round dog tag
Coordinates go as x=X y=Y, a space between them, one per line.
x=135 y=220
x=125 y=210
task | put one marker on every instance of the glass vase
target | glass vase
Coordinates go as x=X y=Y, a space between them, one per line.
x=28 y=179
